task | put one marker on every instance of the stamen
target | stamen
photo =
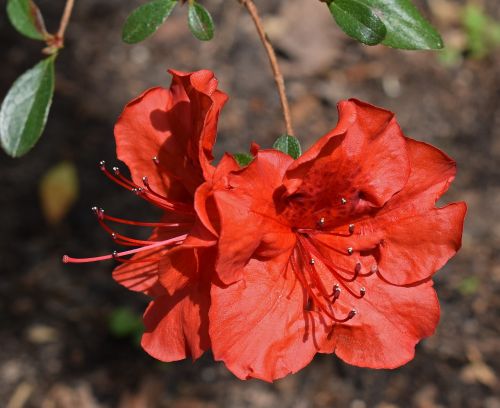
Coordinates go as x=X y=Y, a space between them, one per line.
x=351 y=228
x=116 y=235
x=144 y=224
x=321 y=222
x=343 y=201
x=156 y=160
x=171 y=241
x=336 y=292
x=311 y=261
x=350 y=250
x=362 y=291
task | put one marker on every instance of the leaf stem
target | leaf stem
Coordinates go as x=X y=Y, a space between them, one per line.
x=68 y=8
x=278 y=77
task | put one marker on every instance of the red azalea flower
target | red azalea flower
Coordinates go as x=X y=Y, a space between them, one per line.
x=165 y=137
x=333 y=252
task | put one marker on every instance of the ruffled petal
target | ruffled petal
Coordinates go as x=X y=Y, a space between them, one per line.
x=364 y=160
x=258 y=325
x=390 y=321
x=416 y=246
x=204 y=202
x=140 y=275
x=250 y=224
x=176 y=327
x=177 y=322
x=432 y=172
x=417 y=239
x=178 y=127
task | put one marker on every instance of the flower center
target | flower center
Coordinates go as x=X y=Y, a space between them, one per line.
x=316 y=263
x=175 y=231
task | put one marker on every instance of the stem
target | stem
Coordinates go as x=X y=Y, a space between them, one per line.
x=278 y=77
x=68 y=8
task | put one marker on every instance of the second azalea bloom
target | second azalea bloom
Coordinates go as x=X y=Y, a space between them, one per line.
x=333 y=252
x=165 y=137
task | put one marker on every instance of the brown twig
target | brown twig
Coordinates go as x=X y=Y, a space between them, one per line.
x=68 y=8
x=278 y=77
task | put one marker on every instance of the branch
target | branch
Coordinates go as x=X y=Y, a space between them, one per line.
x=278 y=77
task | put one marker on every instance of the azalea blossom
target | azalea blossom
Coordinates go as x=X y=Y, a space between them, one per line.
x=165 y=137
x=333 y=252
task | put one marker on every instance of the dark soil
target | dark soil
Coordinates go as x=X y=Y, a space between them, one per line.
x=57 y=349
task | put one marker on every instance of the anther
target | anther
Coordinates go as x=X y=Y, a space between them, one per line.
x=357 y=268
x=351 y=228
x=95 y=210
x=113 y=235
x=116 y=170
x=352 y=313
x=321 y=222
x=156 y=160
x=343 y=201
x=350 y=250
x=312 y=261
x=336 y=291
x=362 y=292
x=145 y=180
x=115 y=254
x=100 y=213
x=102 y=165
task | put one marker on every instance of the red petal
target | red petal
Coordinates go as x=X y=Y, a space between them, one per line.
x=416 y=246
x=364 y=159
x=204 y=203
x=176 y=125
x=177 y=325
x=258 y=326
x=431 y=174
x=390 y=321
x=139 y=276
x=418 y=239
x=249 y=217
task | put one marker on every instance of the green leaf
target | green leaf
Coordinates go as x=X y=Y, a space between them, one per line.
x=123 y=322
x=469 y=285
x=25 y=109
x=200 y=22
x=289 y=145
x=406 y=28
x=358 y=21
x=58 y=191
x=146 y=19
x=26 y=18
x=243 y=159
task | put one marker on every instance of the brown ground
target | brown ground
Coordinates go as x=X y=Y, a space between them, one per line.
x=56 y=346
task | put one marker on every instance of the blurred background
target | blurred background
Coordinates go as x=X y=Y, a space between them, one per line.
x=69 y=333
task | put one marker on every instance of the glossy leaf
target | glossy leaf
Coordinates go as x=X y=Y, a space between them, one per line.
x=25 y=109
x=406 y=28
x=25 y=16
x=243 y=159
x=200 y=22
x=358 y=21
x=289 y=145
x=146 y=19
x=123 y=322
x=58 y=191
